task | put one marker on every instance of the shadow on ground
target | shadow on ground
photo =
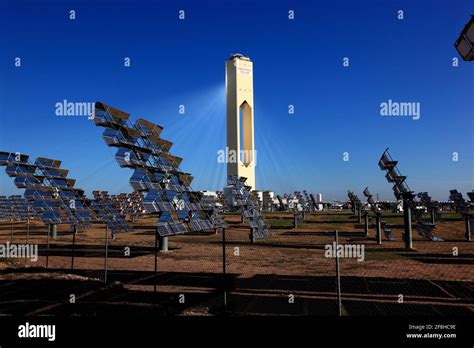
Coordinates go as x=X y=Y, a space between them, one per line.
x=129 y=294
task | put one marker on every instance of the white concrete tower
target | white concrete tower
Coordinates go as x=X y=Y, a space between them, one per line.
x=240 y=126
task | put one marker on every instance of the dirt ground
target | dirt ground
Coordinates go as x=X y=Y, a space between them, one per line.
x=285 y=274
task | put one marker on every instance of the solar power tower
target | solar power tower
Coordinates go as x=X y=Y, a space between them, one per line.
x=356 y=204
x=242 y=199
x=463 y=208
x=240 y=117
x=156 y=173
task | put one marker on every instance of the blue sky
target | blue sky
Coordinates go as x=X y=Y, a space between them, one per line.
x=296 y=62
